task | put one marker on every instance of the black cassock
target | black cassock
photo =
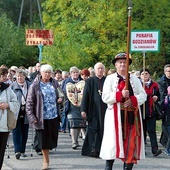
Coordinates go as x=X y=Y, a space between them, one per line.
x=95 y=109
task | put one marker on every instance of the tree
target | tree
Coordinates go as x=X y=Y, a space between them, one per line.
x=84 y=32
x=153 y=15
x=90 y=31
x=11 y=8
x=13 y=50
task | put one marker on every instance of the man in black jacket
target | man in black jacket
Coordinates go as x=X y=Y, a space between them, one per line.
x=36 y=73
x=32 y=77
x=164 y=83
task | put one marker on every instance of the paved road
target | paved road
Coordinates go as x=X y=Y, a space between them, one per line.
x=65 y=158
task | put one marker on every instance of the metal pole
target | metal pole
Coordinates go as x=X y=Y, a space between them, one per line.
x=127 y=60
x=39 y=9
x=20 y=15
x=31 y=23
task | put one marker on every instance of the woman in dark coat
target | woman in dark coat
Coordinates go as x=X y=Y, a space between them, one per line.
x=42 y=111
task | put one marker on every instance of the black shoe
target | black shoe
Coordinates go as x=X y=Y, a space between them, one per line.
x=157 y=152
x=95 y=154
x=17 y=155
x=128 y=166
x=38 y=151
x=109 y=164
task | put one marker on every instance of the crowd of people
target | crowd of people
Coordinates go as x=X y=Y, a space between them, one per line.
x=113 y=120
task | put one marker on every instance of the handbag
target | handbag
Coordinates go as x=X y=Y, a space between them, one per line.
x=60 y=92
x=11 y=120
x=159 y=112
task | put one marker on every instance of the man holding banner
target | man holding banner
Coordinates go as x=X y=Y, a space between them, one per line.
x=119 y=141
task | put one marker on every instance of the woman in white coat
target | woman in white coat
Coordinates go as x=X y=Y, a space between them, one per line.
x=8 y=99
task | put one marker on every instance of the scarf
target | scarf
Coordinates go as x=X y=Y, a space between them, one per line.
x=151 y=88
x=23 y=87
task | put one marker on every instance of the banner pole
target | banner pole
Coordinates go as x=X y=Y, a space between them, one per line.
x=127 y=59
x=144 y=56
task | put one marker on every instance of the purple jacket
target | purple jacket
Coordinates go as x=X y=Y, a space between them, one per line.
x=34 y=103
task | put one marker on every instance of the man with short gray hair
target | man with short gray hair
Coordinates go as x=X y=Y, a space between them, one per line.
x=93 y=109
x=164 y=84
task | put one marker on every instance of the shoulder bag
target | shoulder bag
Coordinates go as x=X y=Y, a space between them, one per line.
x=60 y=92
x=11 y=120
x=159 y=112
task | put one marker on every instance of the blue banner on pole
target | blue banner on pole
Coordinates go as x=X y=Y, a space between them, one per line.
x=40 y=46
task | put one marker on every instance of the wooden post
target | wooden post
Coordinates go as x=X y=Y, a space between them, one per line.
x=144 y=83
x=127 y=58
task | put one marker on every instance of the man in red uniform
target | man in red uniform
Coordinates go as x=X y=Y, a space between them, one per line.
x=119 y=141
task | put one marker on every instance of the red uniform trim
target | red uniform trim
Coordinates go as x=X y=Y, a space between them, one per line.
x=116 y=130
x=134 y=101
x=118 y=96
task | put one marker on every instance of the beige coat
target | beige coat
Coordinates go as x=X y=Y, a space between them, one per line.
x=8 y=96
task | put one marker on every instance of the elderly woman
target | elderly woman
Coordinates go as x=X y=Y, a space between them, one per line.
x=85 y=73
x=20 y=133
x=73 y=110
x=8 y=100
x=42 y=111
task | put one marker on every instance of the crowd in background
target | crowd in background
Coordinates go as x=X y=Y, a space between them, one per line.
x=62 y=112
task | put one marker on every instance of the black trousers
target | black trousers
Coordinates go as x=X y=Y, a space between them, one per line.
x=3 y=143
x=150 y=127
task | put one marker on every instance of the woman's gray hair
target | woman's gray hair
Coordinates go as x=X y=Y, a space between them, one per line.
x=21 y=71
x=74 y=68
x=46 y=67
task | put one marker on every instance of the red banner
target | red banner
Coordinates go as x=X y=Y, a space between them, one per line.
x=35 y=37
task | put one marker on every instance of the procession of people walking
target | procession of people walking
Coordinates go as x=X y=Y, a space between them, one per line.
x=94 y=107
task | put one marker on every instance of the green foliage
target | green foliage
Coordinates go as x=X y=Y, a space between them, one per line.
x=84 y=32
x=13 y=50
x=11 y=8
x=90 y=31
x=87 y=31
x=153 y=15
